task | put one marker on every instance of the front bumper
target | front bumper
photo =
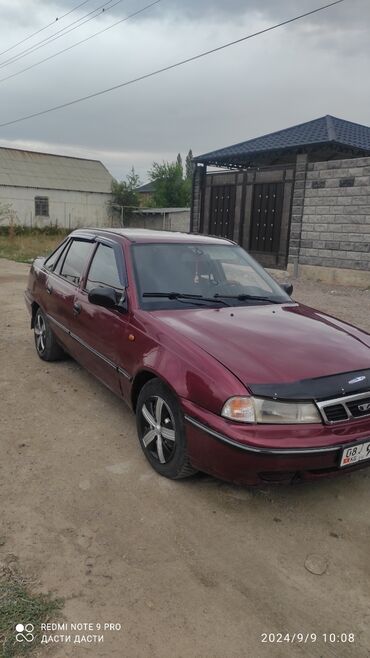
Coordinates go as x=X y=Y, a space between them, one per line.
x=256 y=454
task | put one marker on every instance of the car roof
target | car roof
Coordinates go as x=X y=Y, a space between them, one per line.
x=150 y=235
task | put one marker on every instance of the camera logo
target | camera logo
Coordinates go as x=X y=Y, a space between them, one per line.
x=24 y=633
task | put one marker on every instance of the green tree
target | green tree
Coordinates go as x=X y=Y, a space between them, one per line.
x=171 y=190
x=189 y=165
x=124 y=195
x=179 y=164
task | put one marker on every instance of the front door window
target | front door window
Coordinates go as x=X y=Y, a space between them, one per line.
x=104 y=271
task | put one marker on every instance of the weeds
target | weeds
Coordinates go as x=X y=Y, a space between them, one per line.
x=23 y=244
x=19 y=605
x=18 y=229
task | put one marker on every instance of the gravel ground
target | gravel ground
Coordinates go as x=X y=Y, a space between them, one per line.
x=197 y=568
x=350 y=304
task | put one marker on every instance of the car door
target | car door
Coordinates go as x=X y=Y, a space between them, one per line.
x=103 y=332
x=62 y=278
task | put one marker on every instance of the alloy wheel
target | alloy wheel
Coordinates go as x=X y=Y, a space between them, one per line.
x=158 y=429
x=40 y=333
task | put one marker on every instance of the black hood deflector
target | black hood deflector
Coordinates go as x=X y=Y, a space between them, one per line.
x=320 y=388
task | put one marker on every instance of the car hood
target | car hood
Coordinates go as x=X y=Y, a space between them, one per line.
x=273 y=343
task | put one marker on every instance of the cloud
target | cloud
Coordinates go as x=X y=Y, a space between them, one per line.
x=293 y=74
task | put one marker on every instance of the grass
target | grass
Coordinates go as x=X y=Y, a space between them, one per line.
x=23 y=245
x=18 y=604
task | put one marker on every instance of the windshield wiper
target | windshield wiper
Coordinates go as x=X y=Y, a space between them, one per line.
x=183 y=296
x=243 y=298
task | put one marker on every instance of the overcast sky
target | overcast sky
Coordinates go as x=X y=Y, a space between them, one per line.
x=316 y=66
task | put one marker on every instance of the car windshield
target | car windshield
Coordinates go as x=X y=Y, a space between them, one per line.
x=208 y=271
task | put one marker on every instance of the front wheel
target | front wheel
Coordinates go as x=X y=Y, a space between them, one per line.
x=46 y=344
x=161 y=431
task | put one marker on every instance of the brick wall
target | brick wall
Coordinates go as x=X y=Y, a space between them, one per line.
x=335 y=223
x=297 y=207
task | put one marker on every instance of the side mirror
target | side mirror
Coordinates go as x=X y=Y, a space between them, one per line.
x=287 y=287
x=106 y=297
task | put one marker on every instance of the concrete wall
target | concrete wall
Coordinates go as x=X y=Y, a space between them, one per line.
x=66 y=209
x=165 y=220
x=335 y=223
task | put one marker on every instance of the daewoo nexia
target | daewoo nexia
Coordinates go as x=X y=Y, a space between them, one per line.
x=225 y=372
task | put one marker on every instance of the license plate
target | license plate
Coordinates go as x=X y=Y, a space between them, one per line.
x=355 y=454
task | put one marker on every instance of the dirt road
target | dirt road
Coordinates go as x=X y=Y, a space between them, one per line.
x=197 y=568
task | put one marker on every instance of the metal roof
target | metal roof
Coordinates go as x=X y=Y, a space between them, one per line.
x=337 y=134
x=20 y=168
x=147 y=187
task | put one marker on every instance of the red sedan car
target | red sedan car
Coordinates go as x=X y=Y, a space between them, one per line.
x=225 y=372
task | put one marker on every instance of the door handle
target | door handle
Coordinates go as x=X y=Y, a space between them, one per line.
x=49 y=289
x=76 y=308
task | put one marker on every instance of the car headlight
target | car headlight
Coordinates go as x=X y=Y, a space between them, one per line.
x=258 y=410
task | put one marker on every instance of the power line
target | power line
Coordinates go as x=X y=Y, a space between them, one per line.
x=171 y=66
x=78 y=43
x=44 y=28
x=53 y=37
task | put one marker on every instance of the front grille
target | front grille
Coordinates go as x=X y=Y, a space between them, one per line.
x=344 y=409
x=335 y=412
x=359 y=408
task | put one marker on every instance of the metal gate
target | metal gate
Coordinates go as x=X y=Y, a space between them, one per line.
x=267 y=209
x=221 y=221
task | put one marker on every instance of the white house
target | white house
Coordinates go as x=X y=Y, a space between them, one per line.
x=38 y=189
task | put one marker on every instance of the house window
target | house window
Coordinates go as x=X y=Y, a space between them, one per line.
x=318 y=184
x=42 y=206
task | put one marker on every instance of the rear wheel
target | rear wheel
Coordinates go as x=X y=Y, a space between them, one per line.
x=46 y=344
x=161 y=431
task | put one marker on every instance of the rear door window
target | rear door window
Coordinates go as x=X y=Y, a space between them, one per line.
x=104 y=270
x=52 y=261
x=76 y=260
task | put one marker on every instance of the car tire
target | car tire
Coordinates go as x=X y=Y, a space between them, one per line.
x=46 y=344
x=161 y=431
